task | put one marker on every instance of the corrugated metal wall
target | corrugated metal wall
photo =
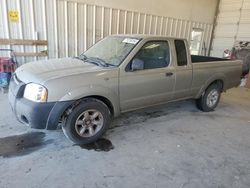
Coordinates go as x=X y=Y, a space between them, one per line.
x=71 y=27
x=233 y=24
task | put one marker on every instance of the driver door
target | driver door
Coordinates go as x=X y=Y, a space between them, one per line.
x=153 y=83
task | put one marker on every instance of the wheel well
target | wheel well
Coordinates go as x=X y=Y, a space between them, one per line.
x=77 y=102
x=104 y=100
x=220 y=83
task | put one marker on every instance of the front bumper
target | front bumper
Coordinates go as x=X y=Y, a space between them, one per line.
x=28 y=112
x=36 y=115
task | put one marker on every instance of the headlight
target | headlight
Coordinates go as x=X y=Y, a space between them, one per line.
x=35 y=92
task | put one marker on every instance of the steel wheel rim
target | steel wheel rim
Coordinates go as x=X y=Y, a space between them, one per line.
x=212 y=98
x=89 y=123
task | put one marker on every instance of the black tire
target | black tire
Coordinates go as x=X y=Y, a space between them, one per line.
x=202 y=101
x=69 y=129
x=246 y=65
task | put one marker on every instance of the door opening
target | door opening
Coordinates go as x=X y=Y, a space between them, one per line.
x=196 y=41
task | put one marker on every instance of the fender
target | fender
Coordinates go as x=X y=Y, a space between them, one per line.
x=218 y=76
x=94 y=90
x=56 y=113
x=77 y=94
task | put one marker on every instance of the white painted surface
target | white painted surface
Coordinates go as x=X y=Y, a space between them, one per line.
x=195 y=10
x=71 y=26
x=233 y=24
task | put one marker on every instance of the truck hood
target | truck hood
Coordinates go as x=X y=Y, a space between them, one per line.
x=42 y=71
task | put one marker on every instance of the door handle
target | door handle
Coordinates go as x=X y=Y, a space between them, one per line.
x=169 y=74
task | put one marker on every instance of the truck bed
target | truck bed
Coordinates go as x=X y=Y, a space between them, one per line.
x=201 y=59
x=207 y=68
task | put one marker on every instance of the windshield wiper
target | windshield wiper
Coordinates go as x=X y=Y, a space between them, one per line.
x=81 y=57
x=101 y=61
x=94 y=60
x=84 y=58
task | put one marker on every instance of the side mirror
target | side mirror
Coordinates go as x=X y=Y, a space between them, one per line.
x=137 y=64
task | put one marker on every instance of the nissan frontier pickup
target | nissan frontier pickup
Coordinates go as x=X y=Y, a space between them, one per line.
x=118 y=74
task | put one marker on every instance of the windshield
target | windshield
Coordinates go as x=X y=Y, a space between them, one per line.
x=111 y=50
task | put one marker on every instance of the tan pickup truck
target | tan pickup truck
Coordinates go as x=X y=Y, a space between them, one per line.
x=118 y=74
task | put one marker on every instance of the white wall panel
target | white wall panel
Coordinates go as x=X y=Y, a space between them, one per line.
x=72 y=26
x=233 y=24
x=230 y=5
x=228 y=17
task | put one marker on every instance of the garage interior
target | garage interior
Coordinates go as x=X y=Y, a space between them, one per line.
x=171 y=145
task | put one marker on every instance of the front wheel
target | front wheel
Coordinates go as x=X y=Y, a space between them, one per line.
x=210 y=98
x=87 y=122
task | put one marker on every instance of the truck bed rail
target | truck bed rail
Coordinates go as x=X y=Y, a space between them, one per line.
x=200 y=59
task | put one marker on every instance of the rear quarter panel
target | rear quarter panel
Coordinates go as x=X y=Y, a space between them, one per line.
x=207 y=72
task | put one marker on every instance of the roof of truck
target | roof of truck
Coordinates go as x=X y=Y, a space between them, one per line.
x=142 y=36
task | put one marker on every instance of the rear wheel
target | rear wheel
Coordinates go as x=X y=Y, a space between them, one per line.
x=246 y=65
x=210 y=98
x=87 y=122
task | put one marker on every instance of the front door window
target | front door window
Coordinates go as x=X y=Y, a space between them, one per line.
x=154 y=54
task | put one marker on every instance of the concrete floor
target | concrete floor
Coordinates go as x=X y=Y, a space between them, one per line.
x=174 y=145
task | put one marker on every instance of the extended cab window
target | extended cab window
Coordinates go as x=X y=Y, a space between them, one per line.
x=154 y=54
x=181 y=52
